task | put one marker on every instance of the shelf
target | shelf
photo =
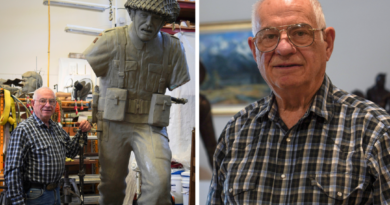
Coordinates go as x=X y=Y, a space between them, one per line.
x=88 y=178
x=187 y=13
x=177 y=30
x=89 y=199
x=90 y=137
x=86 y=161
x=186 y=4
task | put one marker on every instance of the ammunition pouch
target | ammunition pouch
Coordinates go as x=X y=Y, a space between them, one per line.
x=115 y=104
x=160 y=107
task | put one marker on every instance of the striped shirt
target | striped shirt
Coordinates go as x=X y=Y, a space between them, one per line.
x=337 y=153
x=36 y=154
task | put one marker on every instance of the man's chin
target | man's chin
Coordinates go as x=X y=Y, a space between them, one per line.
x=146 y=37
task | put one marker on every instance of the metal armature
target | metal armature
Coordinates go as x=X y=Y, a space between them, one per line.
x=110 y=10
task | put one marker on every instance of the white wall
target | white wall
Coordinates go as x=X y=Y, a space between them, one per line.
x=24 y=35
x=360 y=52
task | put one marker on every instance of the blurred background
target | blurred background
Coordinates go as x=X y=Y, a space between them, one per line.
x=360 y=53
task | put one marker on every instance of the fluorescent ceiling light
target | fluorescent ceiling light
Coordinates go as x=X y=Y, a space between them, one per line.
x=77 y=4
x=83 y=30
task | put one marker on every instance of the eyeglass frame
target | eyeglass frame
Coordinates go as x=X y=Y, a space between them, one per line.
x=47 y=100
x=288 y=36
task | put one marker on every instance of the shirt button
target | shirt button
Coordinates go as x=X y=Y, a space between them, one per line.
x=283 y=176
x=288 y=139
x=339 y=194
x=230 y=190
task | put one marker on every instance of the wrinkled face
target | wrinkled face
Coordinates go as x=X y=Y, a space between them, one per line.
x=146 y=24
x=288 y=66
x=44 y=112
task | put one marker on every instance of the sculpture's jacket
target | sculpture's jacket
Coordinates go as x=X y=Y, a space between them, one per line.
x=130 y=72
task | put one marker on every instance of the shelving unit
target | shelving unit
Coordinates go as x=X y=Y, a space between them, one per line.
x=187 y=12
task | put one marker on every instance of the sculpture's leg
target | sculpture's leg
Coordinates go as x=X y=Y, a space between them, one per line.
x=153 y=155
x=114 y=154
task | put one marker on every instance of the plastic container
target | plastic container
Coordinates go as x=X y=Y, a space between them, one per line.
x=176 y=187
x=185 y=183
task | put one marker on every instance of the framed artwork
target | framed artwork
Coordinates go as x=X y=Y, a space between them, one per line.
x=233 y=79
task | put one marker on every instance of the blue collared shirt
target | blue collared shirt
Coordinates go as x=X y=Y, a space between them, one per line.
x=37 y=154
x=337 y=153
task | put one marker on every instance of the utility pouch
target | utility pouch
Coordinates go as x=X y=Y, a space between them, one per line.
x=160 y=107
x=115 y=104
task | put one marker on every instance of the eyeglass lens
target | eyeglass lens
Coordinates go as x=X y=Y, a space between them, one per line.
x=43 y=101
x=300 y=35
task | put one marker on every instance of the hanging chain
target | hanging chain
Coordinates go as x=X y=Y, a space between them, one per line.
x=110 y=10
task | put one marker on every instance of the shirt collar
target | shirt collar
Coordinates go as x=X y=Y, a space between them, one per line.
x=322 y=104
x=39 y=122
x=266 y=106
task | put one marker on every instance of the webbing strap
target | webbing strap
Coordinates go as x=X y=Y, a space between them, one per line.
x=121 y=41
x=166 y=51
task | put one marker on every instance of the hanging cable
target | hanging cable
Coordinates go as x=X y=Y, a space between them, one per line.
x=48 y=49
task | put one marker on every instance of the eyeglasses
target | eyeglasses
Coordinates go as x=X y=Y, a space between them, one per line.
x=301 y=35
x=43 y=101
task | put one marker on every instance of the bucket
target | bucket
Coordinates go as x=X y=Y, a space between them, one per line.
x=176 y=188
x=185 y=183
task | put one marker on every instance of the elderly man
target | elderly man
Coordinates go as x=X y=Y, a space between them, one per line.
x=308 y=142
x=134 y=63
x=36 y=154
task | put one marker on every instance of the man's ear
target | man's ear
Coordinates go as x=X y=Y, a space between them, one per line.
x=252 y=47
x=32 y=102
x=329 y=38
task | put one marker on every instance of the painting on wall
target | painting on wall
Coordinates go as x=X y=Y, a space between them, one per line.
x=233 y=79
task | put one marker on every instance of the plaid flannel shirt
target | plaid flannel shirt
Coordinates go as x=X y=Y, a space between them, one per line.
x=37 y=154
x=337 y=153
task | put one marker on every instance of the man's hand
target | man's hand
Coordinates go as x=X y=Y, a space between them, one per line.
x=85 y=126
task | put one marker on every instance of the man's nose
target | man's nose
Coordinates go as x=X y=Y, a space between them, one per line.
x=149 y=19
x=285 y=46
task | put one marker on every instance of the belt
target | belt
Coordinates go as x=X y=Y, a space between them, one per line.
x=134 y=106
x=49 y=187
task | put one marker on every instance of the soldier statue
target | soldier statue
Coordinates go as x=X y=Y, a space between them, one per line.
x=135 y=63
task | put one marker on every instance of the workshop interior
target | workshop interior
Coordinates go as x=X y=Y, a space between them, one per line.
x=47 y=44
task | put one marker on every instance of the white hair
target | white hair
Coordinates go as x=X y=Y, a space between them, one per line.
x=41 y=89
x=320 y=18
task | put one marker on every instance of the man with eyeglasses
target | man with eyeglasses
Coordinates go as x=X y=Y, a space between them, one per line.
x=308 y=142
x=35 y=158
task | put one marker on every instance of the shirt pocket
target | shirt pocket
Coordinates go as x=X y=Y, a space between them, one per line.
x=338 y=186
x=241 y=187
x=41 y=149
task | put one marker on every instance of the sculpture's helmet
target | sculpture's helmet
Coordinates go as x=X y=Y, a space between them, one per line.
x=169 y=9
